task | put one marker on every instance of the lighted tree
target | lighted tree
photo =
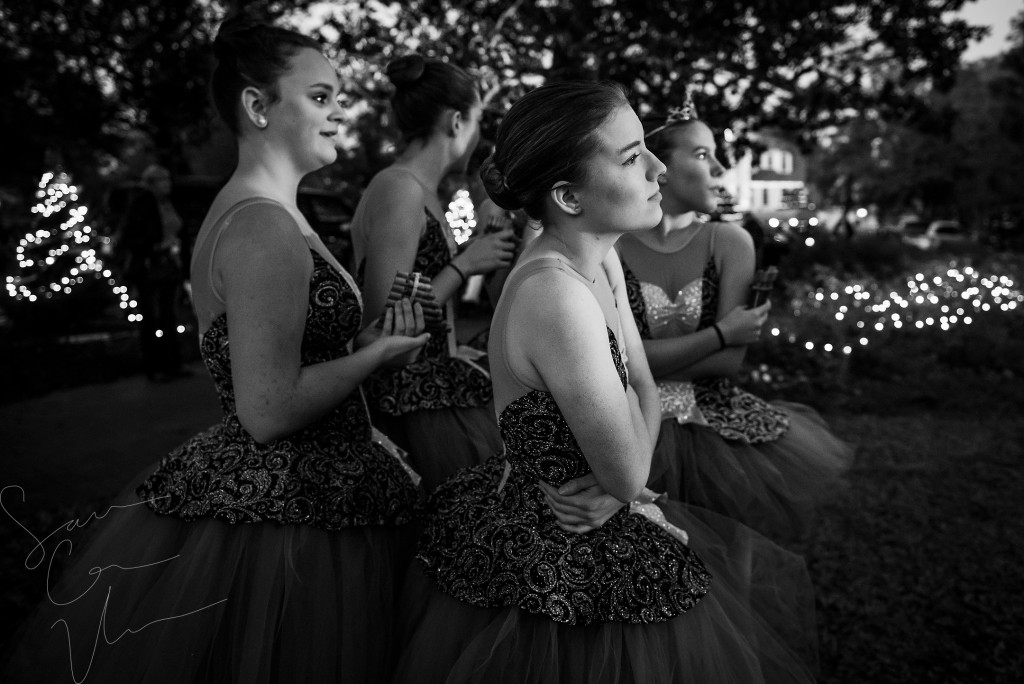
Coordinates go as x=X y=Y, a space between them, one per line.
x=60 y=266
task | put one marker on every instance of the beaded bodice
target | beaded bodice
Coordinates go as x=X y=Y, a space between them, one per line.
x=493 y=541
x=717 y=402
x=335 y=472
x=437 y=379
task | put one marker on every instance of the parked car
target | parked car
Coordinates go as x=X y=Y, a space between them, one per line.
x=935 y=234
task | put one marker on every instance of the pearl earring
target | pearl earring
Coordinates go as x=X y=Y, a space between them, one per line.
x=261 y=121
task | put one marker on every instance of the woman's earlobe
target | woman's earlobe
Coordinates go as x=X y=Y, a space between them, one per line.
x=455 y=123
x=255 y=109
x=566 y=200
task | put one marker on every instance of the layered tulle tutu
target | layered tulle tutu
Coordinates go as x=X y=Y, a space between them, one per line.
x=772 y=486
x=208 y=601
x=441 y=441
x=756 y=624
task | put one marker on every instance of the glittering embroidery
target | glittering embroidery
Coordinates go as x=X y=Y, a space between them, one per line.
x=731 y=412
x=436 y=379
x=493 y=545
x=678 y=401
x=330 y=474
x=668 y=318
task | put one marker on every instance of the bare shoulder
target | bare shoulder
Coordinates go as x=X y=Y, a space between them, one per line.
x=259 y=233
x=556 y=305
x=391 y=202
x=392 y=185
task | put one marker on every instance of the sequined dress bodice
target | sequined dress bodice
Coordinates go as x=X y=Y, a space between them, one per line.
x=493 y=541
x=716 y=402
x=336 y=472
x=438 y=378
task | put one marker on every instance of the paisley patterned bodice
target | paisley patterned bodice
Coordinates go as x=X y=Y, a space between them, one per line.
x=334 y=473
x=493 y=541
x=717 y=402
x=437 y=379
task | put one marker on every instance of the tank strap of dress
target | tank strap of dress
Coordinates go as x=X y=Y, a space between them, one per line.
x=218 y=230
x=711 y=242
x=518 y=277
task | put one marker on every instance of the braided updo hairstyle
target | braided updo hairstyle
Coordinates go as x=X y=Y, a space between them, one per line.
x=253 y=54
x=547 y=136
x=424 y=88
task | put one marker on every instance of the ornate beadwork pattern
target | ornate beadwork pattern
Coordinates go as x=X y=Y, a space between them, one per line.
x=731 y=412
x=679 y=401
x=503 y=548
x=436 y=379
x=636 y=301
x=330 y=474
x=667 y=317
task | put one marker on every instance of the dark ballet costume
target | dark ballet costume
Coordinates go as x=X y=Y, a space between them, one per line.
x=242 y=561
x=660 y=593
x=438 y=408
x=764 y=464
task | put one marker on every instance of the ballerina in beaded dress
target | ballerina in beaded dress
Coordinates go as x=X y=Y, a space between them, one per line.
x=517 y=583
x=764 y=464
x=269 y=547
x=439 y=408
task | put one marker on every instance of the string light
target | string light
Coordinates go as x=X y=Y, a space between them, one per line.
x=461 y=215
x=75 y=238
x=942 y=298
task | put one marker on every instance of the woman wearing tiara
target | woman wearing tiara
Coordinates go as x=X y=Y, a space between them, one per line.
x=764 y=464
x=519 y=584
x=439 y=408
x=267 y=548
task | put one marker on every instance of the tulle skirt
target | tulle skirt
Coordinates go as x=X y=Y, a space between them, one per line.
x=772 y=487
x=150 y=598
x=756 y=625
x=440 y=442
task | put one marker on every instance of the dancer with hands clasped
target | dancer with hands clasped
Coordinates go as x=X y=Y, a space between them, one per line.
x=624 y=588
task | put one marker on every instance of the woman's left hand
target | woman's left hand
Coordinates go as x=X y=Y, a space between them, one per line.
x=400 y=333
x=580 y=505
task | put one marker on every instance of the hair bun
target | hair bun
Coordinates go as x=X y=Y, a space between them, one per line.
x=406 y=70
x=497 y=189
x=225 y=44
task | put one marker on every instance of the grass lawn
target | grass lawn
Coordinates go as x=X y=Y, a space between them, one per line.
x=917 y=567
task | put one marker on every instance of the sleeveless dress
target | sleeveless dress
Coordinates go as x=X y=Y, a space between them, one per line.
x=239 y=561
x=660 y=593
x=766 y=464
x=438 y=408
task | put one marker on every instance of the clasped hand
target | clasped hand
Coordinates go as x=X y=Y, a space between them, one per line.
x=400 y=337
x=742 y=326
x=580 y=505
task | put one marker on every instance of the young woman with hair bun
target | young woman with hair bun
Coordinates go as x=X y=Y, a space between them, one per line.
x=268 y=547
x=766 y=464
x=438 y=408
x=517 y=582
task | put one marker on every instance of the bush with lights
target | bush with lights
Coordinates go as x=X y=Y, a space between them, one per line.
x=823 y=327
x=61 y=284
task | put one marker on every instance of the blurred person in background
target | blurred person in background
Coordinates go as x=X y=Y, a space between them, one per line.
x=150 y=242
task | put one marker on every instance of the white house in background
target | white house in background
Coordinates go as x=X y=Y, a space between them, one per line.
x=774 y=181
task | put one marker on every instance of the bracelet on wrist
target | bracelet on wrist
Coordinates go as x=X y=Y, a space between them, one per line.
x=462 y=276
x=721 y=337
